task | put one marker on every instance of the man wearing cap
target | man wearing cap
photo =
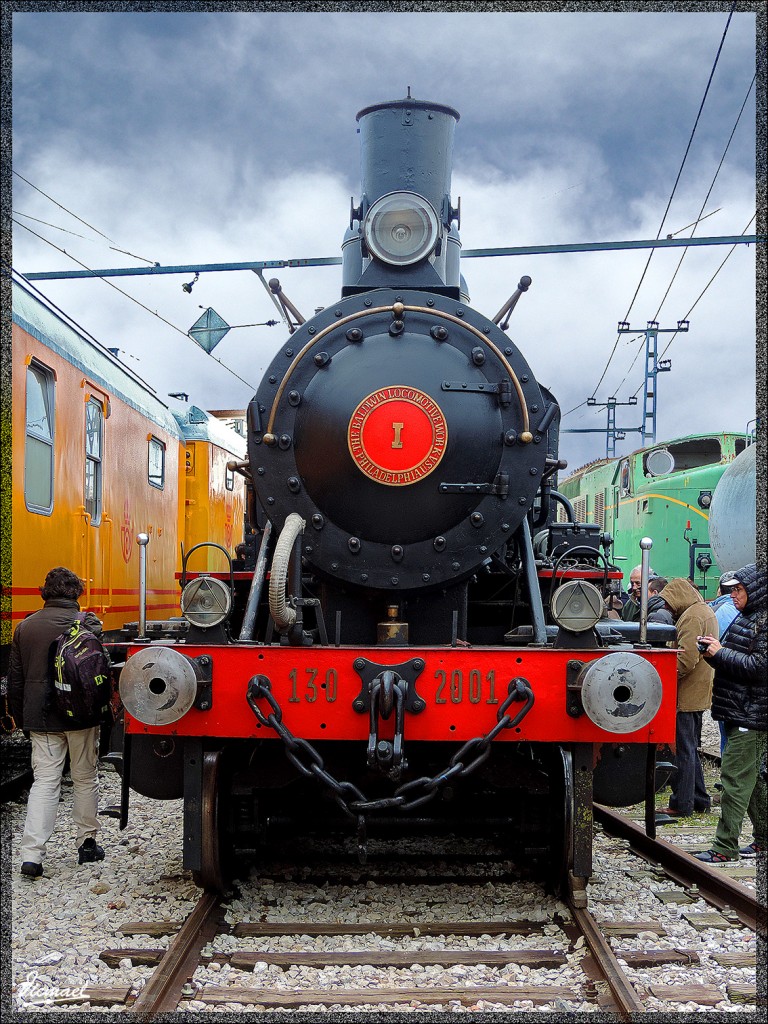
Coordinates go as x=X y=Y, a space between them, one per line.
x=692 y=617
x=740 y=699
x=722 y=604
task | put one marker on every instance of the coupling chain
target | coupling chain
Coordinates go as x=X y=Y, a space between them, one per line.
x=349 y=798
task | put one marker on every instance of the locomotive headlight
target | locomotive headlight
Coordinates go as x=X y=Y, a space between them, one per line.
x=577 y=606
x=401 y=228
x=206 y=601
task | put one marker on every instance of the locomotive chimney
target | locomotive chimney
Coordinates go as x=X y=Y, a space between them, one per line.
x=406 y=146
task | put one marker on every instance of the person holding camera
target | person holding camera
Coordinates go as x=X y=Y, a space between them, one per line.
x=740 y=700
x=692 y=617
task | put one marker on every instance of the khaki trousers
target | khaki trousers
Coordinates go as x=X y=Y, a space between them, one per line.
x=49 y=751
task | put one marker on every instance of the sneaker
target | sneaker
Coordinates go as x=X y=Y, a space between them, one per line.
x=89 y=851
x=712 y=857
x=752 y=850
x=31 y=870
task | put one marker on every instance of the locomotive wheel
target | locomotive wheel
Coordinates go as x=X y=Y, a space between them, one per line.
x=216 y=846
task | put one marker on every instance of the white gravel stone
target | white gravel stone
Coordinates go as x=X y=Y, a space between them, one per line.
x=63 y=920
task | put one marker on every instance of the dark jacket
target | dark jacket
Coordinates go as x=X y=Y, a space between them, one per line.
x=657 y=611
x=740 y=694
x=29 y=678
x=693 y=617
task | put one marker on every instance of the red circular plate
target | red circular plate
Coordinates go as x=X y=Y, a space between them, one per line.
x=397 y=435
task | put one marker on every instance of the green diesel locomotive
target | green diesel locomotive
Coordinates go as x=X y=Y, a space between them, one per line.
x=663 y=492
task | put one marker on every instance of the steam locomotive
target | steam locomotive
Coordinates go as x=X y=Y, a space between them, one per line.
x=416 y=644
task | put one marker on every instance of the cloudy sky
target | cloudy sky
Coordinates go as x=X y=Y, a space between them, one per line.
x=194 y=138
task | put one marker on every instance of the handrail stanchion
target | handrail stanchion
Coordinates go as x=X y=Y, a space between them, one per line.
x=142 y=540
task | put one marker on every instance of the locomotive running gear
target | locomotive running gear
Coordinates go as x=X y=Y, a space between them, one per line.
x=49 y=750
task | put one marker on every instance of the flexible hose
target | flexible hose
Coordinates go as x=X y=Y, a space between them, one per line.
x=284 y=616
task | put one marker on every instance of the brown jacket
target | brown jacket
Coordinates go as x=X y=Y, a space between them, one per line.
x=29 y=675
x=693 y=617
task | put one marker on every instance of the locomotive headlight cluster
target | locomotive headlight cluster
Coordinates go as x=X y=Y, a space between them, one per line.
x=577 y=606
x=401 y=228
x=206 y=601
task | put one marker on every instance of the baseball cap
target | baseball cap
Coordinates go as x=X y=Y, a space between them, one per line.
x=729 y=579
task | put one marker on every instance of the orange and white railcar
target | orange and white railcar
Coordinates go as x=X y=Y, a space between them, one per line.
x=99 y=458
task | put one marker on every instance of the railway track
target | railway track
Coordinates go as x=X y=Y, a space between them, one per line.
x=271 y=964
x=13 y=786
x=604 y=981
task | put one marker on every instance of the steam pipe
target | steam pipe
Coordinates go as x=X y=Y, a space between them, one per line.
x=532 y=580
x=257 y=585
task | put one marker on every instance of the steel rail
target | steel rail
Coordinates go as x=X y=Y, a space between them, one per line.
x=626 y=1000
x=163 y=991
x=12 y=787
x=714 y=887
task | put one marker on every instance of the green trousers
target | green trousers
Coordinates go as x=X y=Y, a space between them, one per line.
x=744 y=789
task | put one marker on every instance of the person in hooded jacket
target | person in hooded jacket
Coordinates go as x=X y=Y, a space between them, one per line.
x=692 y=617
x=52 y=736
x=740 y=699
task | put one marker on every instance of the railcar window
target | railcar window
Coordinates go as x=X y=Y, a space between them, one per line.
x=624 y=484
x=94 y=444
x=156 y=463
x=700 y=451
x=38 y=446
x=229 y=480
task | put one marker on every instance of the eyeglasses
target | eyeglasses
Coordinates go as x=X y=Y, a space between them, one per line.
x=633 y=584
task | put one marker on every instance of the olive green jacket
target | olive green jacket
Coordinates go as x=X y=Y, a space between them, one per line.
x=693 y=617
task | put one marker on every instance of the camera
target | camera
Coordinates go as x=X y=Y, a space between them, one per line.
x=702 y=645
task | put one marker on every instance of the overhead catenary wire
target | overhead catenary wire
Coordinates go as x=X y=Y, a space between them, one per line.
x=75 y=234
x=129 y=296
x=71 y=214
x=669 y=203
x=693 y=227
x=703 y=291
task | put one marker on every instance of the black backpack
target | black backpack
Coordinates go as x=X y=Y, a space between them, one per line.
x=81 y=677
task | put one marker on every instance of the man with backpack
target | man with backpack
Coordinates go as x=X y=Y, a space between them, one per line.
x=55 y=732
